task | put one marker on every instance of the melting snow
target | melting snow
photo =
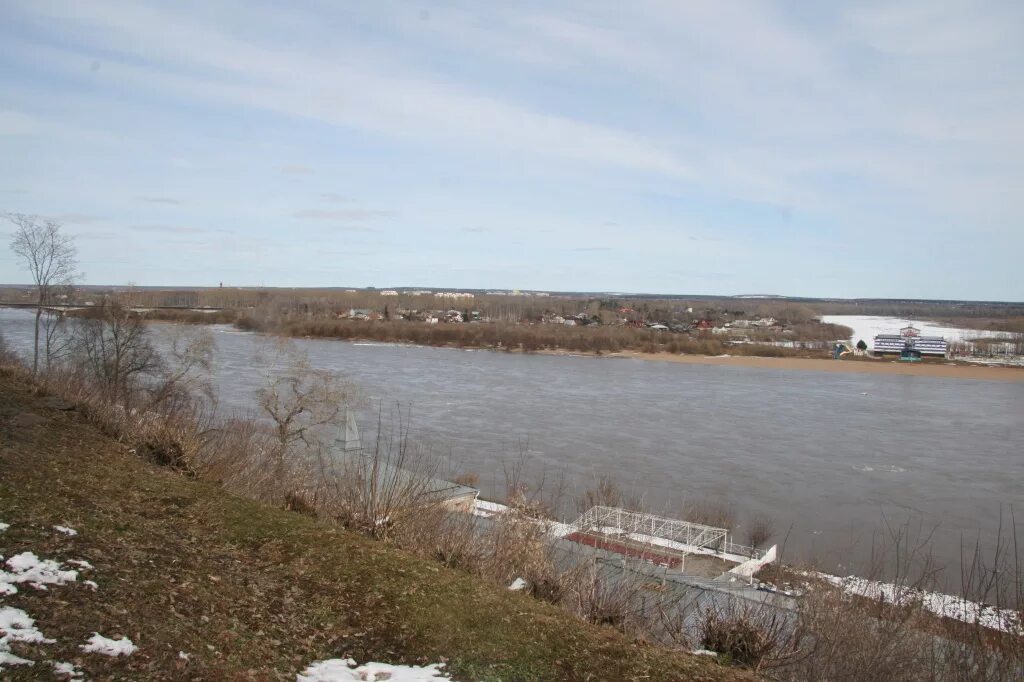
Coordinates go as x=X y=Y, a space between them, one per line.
x=81 y=563
x=70 y=532
x=98 y=644
x=67 y=669
x=346 y=670
x=28 y=568
x=945 y=605
x=7 y=658
x=17 y=626
x=517 y=584
x=866 y=327
x=91 y=585
x=4 y=526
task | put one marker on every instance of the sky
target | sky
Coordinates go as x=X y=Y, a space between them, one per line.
x=850 y=149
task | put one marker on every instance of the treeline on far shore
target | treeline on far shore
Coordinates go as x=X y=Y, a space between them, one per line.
x=508 y=336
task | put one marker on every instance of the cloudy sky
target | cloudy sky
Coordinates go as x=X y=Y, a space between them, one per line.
x=677 y=146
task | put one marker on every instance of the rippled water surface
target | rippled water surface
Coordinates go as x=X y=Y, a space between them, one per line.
x=824 y=453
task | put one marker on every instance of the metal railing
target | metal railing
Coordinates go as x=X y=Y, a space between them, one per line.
x=650 y=529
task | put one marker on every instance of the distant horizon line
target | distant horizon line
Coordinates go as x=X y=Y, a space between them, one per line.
x=551 y=292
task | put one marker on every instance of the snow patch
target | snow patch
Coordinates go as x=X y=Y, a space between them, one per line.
x=28 y=568
x=98 y=644
x=70 y=532
x=66 y=669
x=704 y=652
x=944 y=605
x=81 y=563
x=4 y=526
x=517 y=584
x=7 y=658
x=346 y=670
x=91 y=585
x=17 y=626
x=866 y=327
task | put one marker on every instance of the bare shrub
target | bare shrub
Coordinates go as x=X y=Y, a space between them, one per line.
x=620 y=593
x=383 y=487
x=749 y=633
x=606 y=493
x=537 y=497
x=469 y=478
x=711 y=512
x=759 y=531
x=455 y=540
x=518 y=547
x=113 y=347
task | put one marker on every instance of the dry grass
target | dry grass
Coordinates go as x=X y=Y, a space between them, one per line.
x=251 y=592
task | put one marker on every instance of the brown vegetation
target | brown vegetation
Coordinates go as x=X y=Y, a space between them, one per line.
x=248 y=592
x=517 y=337
x=831 y=635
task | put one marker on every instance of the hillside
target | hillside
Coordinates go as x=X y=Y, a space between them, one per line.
x=210 y=586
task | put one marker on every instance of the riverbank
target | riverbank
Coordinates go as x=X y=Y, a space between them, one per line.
x=778 y=359
x=189 y=582
x=865 y=366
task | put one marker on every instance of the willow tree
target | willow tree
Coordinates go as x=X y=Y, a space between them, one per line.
x=50 y=257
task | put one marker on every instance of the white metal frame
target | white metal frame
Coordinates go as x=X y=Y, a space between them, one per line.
x=613 y=520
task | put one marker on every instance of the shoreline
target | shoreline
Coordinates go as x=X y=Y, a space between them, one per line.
x=894 y=367
x=944 y=371
x=967 y=371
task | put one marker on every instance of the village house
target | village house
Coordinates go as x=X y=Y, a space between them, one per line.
x=360 y=314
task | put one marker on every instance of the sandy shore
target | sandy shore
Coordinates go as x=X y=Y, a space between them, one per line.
x=924 y=369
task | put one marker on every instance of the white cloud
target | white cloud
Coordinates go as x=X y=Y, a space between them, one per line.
x=342 y=213
x=349 y=88
x=901 y=115
x=18 y=123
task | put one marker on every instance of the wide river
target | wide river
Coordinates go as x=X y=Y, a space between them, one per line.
x=827 y=455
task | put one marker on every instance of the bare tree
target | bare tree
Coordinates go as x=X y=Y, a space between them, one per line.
x=49 y=256
x=114 y=347
x=57 y=339
x=300 y=399
x=187 y=366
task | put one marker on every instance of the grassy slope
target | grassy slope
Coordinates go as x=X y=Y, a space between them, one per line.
x=253 y=592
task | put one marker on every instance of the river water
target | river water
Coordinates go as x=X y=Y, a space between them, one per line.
x=827 y=455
